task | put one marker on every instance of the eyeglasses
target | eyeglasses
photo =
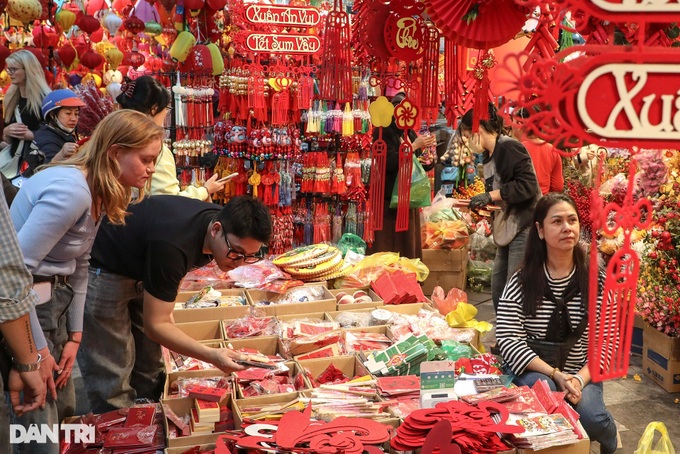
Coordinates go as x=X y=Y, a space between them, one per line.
x=13 y=70
x=235 y=255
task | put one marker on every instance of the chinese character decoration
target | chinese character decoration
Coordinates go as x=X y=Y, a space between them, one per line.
x=405 y=31
x=405 y=117
x=609 y=343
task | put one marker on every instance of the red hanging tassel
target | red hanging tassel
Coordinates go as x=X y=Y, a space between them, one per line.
x=404 y=184
x=377 y=189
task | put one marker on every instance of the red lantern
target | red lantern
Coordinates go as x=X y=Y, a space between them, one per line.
x=134 y=59
x=39 y=54
x=134 y=25
x=169 y=65
x=123 y=44
x=198 y=61
x=216 y=4
x=47 y=7
x=88 y=24
x=97 y=36
x=45 y=37
x=168 y=4
x=94 y=6
x=193 y=4
x=154 y=63
x=67 y=54
x=91 y=60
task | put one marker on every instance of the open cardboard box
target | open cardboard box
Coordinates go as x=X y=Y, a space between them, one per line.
x=169 y=367
x=183 y=449
x=325 y=304
x=377 y=301
x=293 y=371
x=182 y=407
x=182 y=315
x=267 y=345
x=206 y=331
x=350 y=365
x=226 y=324
x=206 y=373
x=272 y=399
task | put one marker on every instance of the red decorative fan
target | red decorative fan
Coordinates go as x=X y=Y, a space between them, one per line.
x=480 y=24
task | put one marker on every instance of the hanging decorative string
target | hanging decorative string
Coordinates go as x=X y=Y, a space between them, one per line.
x=336 y=68
x=429 y=93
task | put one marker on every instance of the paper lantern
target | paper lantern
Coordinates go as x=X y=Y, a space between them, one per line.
x=41 y=55
x=193 y=4
x=74 y=79
x=216 y=5
x=199 y=60
x=153 y=63
x=182 y=46
x=169 y=65
x=113 y=57
x=153 y=28
x=44 y=36
x=134 y=25
x=48 y=8
x=97 y=36
x=167 y=37
x=112 y=22
x=112 y=76
x=94 y=6
x=65 y=19
x=134 y=59
x=24 y=10
x=217 y=60
x=88 y=24
x=91 y=60
x=113 y=89
x=94 y=78
x=103 y=46
x=124 y=44
x=67 y=54
x=5 y=80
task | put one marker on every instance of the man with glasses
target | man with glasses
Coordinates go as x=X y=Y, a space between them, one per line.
x=135 y=272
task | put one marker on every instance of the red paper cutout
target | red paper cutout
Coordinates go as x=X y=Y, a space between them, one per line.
x=405 y=35
x=439 y=440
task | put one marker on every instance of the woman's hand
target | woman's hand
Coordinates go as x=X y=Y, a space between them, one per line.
x=213 y=186
x=68 y=358
x=571 y=385
x=66 y=151
x=18 y=131
x=424 y=141
x=224 y=360
x=47 y=368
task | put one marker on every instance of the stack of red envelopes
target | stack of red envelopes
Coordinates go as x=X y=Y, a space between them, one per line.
x=398 y=288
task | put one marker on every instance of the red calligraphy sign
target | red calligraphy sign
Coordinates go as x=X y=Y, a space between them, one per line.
x=286 y=16
x=283 y=44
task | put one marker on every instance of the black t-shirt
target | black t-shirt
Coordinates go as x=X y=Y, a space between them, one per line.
x=161 y=241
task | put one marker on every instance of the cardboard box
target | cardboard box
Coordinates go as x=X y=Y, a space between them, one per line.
x=350 y=365
x=293 y=371
x=274 y=399
x=637 y=343
x=448 y=269
x=377 y=301
x=267 y=345
x=210 y=331
x=183 y=407
x=327 y=303
x=580 y=447
x=182 y=315
x=661 y=359
x=168 y=362
x=171 y=377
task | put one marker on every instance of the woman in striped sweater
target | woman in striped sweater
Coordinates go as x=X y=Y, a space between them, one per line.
x=547 y=300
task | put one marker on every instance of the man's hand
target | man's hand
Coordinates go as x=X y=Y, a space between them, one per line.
x=68 y=357
x=34 y=390
x=224 y=360
x=480 y=201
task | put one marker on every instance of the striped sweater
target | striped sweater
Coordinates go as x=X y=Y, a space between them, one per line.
x=513 y=327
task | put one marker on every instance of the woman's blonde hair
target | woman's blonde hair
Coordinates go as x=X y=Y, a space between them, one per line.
x=36 y=85
x=126 y=129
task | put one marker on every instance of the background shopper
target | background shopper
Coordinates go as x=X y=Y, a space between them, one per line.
x=56 y=137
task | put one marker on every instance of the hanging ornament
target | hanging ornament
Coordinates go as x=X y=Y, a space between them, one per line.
x=24 y=10
x=44 y=37
x=113 y=89
x=193 y=5
x=217 y=60
x=405 y=31
x=199 y=60
x=92 y=77
x=216 y=5
x=134 y=25
x=114 y=57
x=65 y=19
x=91 y=60
x=153 y=28
x=88 y=24
x=167 y=36
x=4 y=53
x=405 y=115
x=67 y=54
x=134 y=58
x=381 y=111
x=371 y=39
x=153 y=63
x=113 y=76
x=182 y=46
x=112 y=22
x=480 y=24
x=335 y=80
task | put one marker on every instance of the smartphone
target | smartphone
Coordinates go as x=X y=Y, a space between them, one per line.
x=228 y=177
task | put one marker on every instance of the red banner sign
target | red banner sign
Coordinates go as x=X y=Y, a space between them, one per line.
x=286 y=16
x=631 y=10
x=630 y=99
x=283 y=44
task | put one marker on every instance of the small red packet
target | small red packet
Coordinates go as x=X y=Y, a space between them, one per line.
x=136 y=436
x=207 y=393
x=140 y=416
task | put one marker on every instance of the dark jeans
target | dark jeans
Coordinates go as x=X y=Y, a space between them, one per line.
x=118 y=361
x=508 y=259
x=596 y=420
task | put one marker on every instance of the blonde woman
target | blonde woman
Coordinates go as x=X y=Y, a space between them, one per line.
x=24 y=96
x=57 y=213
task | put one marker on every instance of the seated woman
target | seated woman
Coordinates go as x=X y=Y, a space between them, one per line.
x=547 y=300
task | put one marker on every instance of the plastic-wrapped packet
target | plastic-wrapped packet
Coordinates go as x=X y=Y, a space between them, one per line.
x=251 y=325
x=349 y=319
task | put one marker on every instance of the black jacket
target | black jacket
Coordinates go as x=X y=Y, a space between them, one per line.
x=49 y=139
